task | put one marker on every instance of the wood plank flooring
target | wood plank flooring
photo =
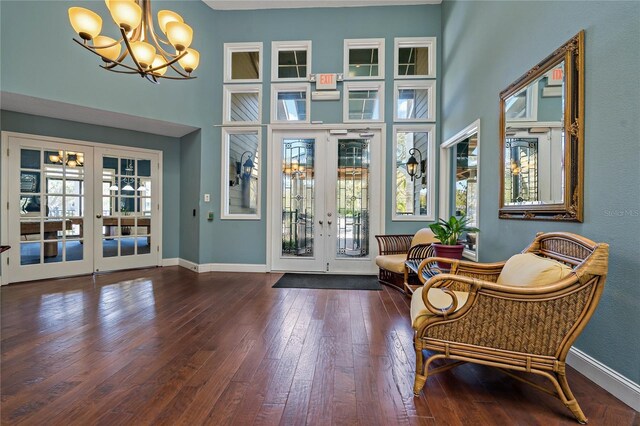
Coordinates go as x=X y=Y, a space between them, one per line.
x=168 y=346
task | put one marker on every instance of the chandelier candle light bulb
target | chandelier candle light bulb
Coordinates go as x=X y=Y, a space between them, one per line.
x=151 y=55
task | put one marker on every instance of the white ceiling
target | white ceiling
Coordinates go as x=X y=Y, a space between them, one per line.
x=293 y=4
x=64 y=111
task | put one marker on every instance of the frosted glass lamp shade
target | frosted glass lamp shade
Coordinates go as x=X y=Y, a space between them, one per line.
x=112 y=52
x=126 y=13
x=85 y=22
x=190 y=61
x=179 y=35
x=157 y=62
x=144 y=53
x=166 y=16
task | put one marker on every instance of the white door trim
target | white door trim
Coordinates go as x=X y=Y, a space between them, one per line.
x=271 y=128
x=4 y=184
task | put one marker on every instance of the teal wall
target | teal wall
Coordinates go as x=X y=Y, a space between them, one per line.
x=170 y=147
x=502 y=40
x=327 y=29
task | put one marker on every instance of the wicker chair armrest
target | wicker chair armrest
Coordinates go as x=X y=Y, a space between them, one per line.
x=420 y=252
x=393 y=244
x=444 y=282
x=481 y=271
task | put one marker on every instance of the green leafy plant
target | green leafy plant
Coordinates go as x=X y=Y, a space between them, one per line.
x=448 y=232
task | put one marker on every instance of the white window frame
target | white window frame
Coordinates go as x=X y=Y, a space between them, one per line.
x=224 y=206
x=363 y=85
x=230 y=48
x=430 y=129
x=445 y=179
x=289 y=87
x=364 y=43
x=278 y=46
x=430 y=85
x=404 y=42
x=230 y=89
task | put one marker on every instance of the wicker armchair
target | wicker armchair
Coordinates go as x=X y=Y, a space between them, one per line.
x=522 y=328
x=395 y=250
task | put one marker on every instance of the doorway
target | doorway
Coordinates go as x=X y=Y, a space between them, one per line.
x=75 y=208
x=325 y=200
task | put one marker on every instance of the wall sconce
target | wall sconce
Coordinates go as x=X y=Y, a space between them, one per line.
x=412 y=165
x=244 y=169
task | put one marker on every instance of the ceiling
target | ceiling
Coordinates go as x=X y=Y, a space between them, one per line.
x=293 y=4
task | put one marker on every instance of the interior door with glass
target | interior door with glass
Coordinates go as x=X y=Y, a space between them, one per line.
x=353 y=202
x=297 y=197
x=323 y=191
x=127 y=209
x=49 y=203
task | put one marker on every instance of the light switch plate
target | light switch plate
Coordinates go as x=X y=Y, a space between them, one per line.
x=207 y=198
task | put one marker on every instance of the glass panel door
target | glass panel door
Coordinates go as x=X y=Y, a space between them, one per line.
x=324 y=198
x=125 y=232
x=49 y=195
x=297 y=243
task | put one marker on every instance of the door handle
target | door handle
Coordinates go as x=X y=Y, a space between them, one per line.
x=98 y=216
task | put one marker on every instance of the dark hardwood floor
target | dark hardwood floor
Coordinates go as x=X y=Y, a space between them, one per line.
x=169 y=346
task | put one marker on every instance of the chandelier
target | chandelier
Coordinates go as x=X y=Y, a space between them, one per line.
x=150 y=54
x=71 y=159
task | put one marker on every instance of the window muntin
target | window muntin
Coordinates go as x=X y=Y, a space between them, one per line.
x=290 y=60
x=364 y=59
x=363 y=102
x=242 y=104
x=290 y=103
x=414 y=57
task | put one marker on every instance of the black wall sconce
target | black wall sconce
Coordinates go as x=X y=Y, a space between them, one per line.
x=243 y=169
x=416 y=169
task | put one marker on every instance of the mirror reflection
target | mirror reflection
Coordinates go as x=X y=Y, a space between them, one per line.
x=541 y=132
x=245 y=65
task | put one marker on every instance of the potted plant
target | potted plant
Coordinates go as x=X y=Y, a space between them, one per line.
x=448 y=233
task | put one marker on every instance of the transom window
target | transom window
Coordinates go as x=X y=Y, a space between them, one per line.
x=414 y=100
x=290 y=102
x=364 y=59
x=415 y=57
x=363 y=102
x=242 y=62
x=290 y=61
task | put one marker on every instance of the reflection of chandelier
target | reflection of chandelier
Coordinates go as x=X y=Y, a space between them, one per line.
x=71 y=159
x=150 y=56
x=128 y=180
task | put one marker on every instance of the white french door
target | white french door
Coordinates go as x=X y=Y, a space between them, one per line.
x=325 y=190
x=74 y=208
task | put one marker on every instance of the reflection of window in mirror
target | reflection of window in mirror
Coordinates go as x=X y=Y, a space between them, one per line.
x=414 y=57
x=241 y=173
x=413 y=192
x=364 y=59
x=522 y=106
x=363 y=101
x=290 y=103
x=459 y=180
x=242 y=104
x=290 y=60
x=414 y=100
x=243 y=62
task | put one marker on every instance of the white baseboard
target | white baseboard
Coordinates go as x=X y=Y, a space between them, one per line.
x=222 y=267
x=610 y=380
x=174 y=261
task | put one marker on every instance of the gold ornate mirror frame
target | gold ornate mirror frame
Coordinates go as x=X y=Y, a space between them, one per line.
x=571 y=206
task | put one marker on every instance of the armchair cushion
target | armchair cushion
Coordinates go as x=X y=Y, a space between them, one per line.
x=423 y=236
x=392 y=262
x=529 y=270
x=438 y=298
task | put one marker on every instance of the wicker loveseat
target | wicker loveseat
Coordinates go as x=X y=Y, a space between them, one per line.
x=395 y=250
x=472 y=315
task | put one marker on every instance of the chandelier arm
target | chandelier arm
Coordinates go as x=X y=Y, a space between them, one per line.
x=151 y=30
x=172 y=61
x=135 y=61
x=180 y=72
x=135 y=71
x=187 y=77
x=111 y=64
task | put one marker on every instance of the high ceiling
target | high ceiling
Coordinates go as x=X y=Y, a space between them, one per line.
x=284 y=4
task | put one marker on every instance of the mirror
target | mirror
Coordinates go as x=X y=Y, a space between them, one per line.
x=541 y=134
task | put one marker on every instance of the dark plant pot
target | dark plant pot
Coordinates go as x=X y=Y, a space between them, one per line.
x=452 y=252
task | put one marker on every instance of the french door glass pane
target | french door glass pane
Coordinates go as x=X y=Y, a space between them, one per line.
x=298 y=194
x=51 y=205
x=353 y=198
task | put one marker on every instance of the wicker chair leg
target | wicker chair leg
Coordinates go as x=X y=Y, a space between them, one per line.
x=421 y=378
x=569 y=400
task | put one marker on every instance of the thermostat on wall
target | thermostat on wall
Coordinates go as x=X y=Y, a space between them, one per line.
x=326 y=95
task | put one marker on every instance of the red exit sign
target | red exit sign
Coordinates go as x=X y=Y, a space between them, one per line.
x=326 y=81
